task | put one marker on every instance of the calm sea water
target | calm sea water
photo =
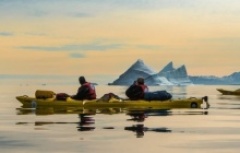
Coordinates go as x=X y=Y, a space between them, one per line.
x=215 y=130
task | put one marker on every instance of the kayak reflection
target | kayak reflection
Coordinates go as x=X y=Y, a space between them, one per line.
x=227 y=102
x=67 y=110
x=86 y=120
x=141 y=114
x=140 y=129
x=85 y=123
x=109 y=111
x=137 y=115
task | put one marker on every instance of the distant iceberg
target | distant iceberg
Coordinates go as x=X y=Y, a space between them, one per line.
x=177 y=76
x=167 y=76
x=138 y=69
x=232 y=79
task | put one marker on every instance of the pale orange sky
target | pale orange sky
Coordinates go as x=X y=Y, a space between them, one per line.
x=107 y=37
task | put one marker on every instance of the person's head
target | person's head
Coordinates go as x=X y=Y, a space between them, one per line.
x=82 y=80
x=140 y=81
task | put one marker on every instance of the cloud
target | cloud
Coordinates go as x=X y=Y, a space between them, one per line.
x=149 y=47
x=90 y=8
x=95 y=46
x=36 y=34
x=6 y=34
x=77 y=55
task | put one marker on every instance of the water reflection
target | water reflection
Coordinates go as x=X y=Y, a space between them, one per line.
x=51 y=110
x=229 y=97
x=67 y=110
x=142 y=115
x=138 y=116
x=42 y=123
x=139 y=129
x=86 y=122
x=110 y=111
x=228 y=102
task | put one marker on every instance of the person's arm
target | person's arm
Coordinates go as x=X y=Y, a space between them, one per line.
x=134 y=92
x=81 y=93
x=138 y=92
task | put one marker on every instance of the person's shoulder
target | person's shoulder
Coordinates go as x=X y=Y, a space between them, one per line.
x=134 y=86
x=137 y=86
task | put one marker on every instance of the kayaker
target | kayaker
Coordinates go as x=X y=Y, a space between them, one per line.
x=137 y=89
x=140 y=91
x=85 y=91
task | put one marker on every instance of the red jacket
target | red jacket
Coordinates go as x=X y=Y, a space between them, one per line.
x=144 y=89
x=91 y=94
x=86 y=91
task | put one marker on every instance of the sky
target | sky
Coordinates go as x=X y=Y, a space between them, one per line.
x=104 y=38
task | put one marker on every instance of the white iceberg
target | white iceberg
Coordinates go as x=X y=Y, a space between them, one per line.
x=167 y=76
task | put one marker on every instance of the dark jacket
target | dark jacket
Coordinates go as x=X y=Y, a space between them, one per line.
x=135 y=92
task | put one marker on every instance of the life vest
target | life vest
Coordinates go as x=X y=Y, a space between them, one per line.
x=144 y=89
x=91 y=92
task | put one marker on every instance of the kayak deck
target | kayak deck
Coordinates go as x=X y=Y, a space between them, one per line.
x=31 y=102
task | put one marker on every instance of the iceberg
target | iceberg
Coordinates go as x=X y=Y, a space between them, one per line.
x=232 y=79
x=155 y=80
x=167 y=76
x=138 y=69
x=176 y=76
x=168 y=68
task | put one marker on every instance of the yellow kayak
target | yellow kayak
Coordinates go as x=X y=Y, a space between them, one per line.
x=192 y=102
x=229 y=92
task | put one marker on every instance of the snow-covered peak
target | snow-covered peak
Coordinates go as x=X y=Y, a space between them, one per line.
x=140 y=66
x=168 y=76
x=168 y=67
x=138 y=69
